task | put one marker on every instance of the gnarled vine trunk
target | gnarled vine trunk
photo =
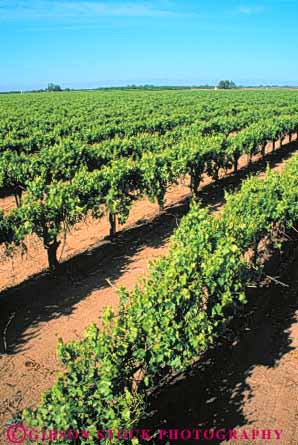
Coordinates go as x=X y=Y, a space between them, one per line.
x=236 y=158
x=52 y=255
x=263 y=149
x=112 y=221
x=18 y=196
x=195 y=180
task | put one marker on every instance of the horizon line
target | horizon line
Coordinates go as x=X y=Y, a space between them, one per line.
x=149 y=85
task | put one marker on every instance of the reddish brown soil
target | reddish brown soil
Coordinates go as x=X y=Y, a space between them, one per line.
x=41 y=309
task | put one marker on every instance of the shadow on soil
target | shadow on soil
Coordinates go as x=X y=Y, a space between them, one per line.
x=212 y=396
x=44 y=297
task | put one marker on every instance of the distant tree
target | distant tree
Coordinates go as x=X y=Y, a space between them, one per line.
x=222 y=85
x=226 y=84
x=54 y=87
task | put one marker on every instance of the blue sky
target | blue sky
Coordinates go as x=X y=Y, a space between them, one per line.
x=88 y=43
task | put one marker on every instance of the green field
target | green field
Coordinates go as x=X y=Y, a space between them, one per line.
x=66 y=155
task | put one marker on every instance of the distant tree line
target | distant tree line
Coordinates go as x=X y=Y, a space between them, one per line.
x=223 y=85
x=53 y=87
x=226 y=85
x=157 y=87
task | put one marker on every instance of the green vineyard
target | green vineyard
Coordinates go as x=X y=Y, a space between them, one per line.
x=64 y=156
x=70 y=155
x=163 y=325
